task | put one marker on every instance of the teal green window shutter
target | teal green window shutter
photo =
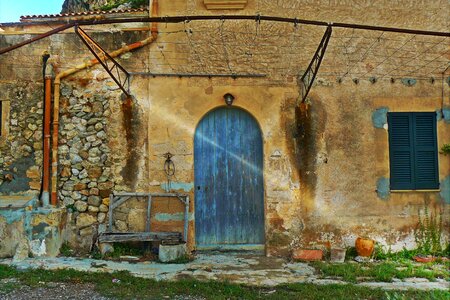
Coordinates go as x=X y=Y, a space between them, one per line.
x=425 y=149
x=401 y=151
x=413 y=151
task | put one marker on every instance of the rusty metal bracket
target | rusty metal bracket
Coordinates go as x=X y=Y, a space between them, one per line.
x=118 y=73
x=307 y=79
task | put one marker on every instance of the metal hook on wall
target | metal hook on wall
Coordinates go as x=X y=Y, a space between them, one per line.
x=169 y=169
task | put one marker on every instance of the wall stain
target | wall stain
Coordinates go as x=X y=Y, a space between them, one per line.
x=131 y=124
x=445 y=189
x=185 y=186
x=383 y=188
x=379 y=117
x=310 y=123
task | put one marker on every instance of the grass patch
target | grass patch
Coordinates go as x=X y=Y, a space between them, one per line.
x=125 y=249
x=182 y=260
x=65 y=250
x=384 y=271
x=130 y=287
x=404 y=254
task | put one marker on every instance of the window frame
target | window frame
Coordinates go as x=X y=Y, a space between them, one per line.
x=415 y=147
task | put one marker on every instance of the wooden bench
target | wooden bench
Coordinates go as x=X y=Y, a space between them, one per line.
x=164 y=237
x=167 y=238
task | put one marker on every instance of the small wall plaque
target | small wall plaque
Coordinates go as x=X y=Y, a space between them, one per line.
x=225 y=4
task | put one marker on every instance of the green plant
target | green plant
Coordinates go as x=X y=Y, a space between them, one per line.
x=133 y=4
x=124 y=249
x=428 y=232
x=350 y=253
x=65 y=249
x=96 y=254
x=71 y=207
x=445 y=149
x=394 y=296
x=381 y=254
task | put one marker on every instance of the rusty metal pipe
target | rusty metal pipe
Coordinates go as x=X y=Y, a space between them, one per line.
x=54 y=196
x=57 y=85
x=45 y=197
x=179 y=19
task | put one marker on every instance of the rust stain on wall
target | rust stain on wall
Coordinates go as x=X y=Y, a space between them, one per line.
x=310 y=120
x=131 y=125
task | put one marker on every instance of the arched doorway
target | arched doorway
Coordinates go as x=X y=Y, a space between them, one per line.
x=229 y=189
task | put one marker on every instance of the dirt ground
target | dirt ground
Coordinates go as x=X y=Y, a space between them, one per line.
x=51 y=290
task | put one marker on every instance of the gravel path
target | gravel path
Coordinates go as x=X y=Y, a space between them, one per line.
x=52 y=291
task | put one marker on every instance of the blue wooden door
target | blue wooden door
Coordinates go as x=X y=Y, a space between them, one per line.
x=229 y=192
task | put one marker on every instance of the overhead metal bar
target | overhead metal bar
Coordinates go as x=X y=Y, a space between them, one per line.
x=37 y=38
x=197 y=75
x=180 y=19
x=116 y=71
x=307 y=79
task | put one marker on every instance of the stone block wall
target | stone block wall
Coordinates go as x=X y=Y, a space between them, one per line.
x=101 y=137
x=94 y=151
x=21 y=148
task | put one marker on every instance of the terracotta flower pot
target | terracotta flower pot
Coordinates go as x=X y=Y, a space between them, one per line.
x=364 y=246
x=337 y=255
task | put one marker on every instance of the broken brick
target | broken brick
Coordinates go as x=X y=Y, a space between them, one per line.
x=307 y=254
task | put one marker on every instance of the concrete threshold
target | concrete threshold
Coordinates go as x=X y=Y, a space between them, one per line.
x=237 y=267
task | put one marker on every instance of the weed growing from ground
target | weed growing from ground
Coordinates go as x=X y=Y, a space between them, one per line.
x=428 y=232
x=65 y=250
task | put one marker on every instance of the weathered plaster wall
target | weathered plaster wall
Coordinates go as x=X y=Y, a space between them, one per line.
x=321 y=168
x=32 y=231
x=326 y=163
x=357 y=162
x=175 y=113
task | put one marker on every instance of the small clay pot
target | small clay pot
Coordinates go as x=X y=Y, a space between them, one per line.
x=337 y=255
x=364 y=246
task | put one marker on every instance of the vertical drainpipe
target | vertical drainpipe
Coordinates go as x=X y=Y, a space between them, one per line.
x=48 y=74
x=54 y=198
x=154 y=13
